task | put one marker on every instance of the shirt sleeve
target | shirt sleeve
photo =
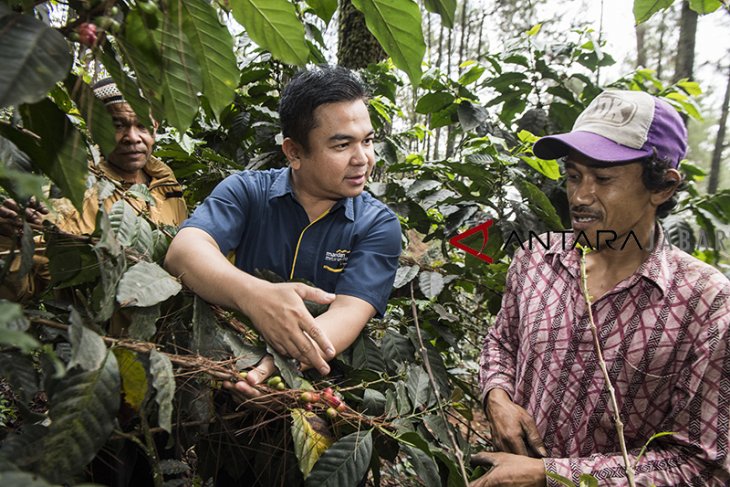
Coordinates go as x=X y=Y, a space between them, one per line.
x=372 y=263
x=696 y=452
x=224 y=214
x=497 y=364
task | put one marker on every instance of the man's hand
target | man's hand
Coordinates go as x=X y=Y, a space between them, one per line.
x=244 y=390
x=506 y=469
x=10 y=211
x=277 y=310
x=513 y=429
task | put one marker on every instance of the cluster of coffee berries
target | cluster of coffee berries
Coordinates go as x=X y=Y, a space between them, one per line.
x=327 y=397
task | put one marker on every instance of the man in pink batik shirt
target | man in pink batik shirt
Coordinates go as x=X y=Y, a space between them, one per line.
x=662 y=318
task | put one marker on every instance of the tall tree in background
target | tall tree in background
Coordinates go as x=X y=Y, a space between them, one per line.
x=714 y=180
x=684 y=64
x=356 y=47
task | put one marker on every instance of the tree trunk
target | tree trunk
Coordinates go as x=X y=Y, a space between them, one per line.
x=684 y=66
x=660 y=50
x=714 y=181
x=356 y=46
x=464 y=28
x=641 y=46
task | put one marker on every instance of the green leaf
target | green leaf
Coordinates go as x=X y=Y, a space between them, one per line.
x=419 y=387
x=397 y=349
x=433 y=102
x=124 y=222
x=430 y=283
x=33 y=57
x=134 y=377
x=309 y=444
x=366 y=354
x=291 y=375
x=88 y=348
x=143 y=321
x=373 y=402
x=324 y=9
x=703 y=7
x=397 y=27
x=539 y=203
x=146 y=284
x=63 y=155
x=181 y=78
x=643 y=9
x=12 y=328
x=344 y=463
x=273 y=25
x=98 y=120
x=472 y=75
x=587 y=480
x=212 y=45
x=550 y=169
x=425 y=467
x=445 y=8
x=163 y=380
x=82 y=411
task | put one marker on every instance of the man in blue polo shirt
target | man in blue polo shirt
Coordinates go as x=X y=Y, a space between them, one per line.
x=309 y=221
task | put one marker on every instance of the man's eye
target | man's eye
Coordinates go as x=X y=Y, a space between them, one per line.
x=342 y=146
x=603 y=179
x=141 y=128
x=368 y=141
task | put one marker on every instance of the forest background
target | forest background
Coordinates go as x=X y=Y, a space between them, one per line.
x=460 y=89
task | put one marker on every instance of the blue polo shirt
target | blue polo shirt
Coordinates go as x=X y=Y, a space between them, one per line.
x=353 y=249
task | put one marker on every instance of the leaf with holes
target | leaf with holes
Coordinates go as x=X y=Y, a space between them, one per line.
x=146 y=284
x=273 y=25
x=309 y=444
x=344 y=463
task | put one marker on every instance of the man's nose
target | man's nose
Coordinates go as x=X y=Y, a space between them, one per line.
x=362 y=154
x=131 y=135
x=584 y=192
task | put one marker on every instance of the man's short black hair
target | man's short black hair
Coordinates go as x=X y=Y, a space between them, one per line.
x=308 y=90
x=653 y=175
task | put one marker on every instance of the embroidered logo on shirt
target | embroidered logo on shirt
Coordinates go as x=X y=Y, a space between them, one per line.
x=336 y=261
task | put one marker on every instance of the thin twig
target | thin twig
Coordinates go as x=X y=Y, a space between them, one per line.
x=427 y=363
x=602 y=363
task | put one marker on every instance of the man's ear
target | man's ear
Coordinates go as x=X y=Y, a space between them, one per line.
x=293 y=152
x=673 y=178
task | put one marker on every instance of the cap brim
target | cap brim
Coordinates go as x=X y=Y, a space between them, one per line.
x=589 y=144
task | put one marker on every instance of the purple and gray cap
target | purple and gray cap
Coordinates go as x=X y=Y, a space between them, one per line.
x=621 y=126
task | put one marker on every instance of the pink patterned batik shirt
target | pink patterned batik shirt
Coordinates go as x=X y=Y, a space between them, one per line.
x=664 y=335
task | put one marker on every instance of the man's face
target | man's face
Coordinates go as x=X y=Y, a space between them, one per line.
x=134 y=141
x=610 y=198
x=340 y=156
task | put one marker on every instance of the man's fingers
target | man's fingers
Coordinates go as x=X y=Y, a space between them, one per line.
x=262 y=371
x=483 y=459
x=309 y=354
x=514 y=444
x=314 y=294
x=309 y=326
x=534 y=440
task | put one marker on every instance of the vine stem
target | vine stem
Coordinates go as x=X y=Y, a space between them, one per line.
x=427 y=363
x=602 y=363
